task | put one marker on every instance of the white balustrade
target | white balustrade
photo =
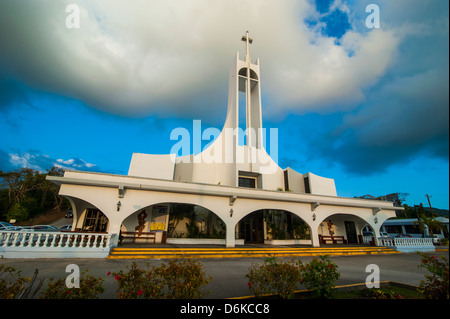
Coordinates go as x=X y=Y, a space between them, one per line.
x=367 y=239
x=408 y=244
x=41 y=244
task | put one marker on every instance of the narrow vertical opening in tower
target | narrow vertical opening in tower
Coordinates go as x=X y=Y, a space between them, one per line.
x=242 y=139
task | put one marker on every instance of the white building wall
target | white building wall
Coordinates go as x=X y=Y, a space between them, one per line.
x=296 y=181
x=321 y=185
x=152 y=166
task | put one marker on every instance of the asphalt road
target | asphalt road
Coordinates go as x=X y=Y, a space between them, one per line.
x=229 y=273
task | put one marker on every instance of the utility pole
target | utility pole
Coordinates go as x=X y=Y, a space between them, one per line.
x=418 y=220
x=431 y=209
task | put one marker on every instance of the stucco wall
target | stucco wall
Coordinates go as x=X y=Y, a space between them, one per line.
x=152 y=166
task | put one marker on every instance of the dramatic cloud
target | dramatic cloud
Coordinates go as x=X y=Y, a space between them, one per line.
x=167 y=57
x=382 y=94
x=405 y=119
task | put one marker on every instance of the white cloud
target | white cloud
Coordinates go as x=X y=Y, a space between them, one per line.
x=24 y=160
x=68 y=162
x=42 y=162
x=132 y=58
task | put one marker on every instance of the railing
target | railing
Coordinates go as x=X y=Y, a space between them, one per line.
x=408 y=244
x=51 y=244
x=368 y=240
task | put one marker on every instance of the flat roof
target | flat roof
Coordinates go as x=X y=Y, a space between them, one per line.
x=150 y=184
x=411 y=221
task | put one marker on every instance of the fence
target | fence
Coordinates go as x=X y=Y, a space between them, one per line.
x=51 y=244
x=408 y=244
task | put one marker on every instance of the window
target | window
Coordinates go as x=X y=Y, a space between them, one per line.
x=95 y=221
x=286 y=181
x=249 y=182
x=307 y=188
x=412 y=229
x=393 y=229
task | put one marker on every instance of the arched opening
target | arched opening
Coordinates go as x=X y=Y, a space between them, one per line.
x=368 y=235
x=273 y=226
x=341 y=229
x=164 y=222
x=194 y=221
x=243 y=72
x=87 y=217
x=94 y=221
x=251 y=228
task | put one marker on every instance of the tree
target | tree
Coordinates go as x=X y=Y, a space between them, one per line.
x=17 y=212
x=397 y=198
x=30 y=189
x=430 y=222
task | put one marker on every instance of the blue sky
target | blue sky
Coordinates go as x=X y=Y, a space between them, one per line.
x=367 y=107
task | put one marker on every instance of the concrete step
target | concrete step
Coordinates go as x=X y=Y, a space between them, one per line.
x=167 y=253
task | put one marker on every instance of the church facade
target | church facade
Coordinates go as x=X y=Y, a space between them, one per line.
x=230 y=193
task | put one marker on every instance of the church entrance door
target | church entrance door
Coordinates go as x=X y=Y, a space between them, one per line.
x=252 y=228
x=350 y=229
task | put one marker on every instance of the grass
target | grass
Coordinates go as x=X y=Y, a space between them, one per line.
x=387 y=290
x=391 y=291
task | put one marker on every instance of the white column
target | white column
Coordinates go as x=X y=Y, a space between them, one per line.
x=315 y=235
x=230 y=234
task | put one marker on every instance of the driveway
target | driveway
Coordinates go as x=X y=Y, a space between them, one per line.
x=229 y=273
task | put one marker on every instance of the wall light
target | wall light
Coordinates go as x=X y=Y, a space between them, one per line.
x=118 y=205
x=231 y=212
x=375 y=220
x=314 y=216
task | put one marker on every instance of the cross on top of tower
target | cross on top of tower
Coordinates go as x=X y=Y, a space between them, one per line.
x=247 y=41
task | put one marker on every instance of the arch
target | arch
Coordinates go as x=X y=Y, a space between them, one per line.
x=253 y=75
x=199 y=222
x=266 y=225
x=87 y=216
x=173 y=200
x=350 y=226
x=367 y=228
x=175 y=220
x=299 y=210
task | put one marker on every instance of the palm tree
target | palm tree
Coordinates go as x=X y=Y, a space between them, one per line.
x=431 y=222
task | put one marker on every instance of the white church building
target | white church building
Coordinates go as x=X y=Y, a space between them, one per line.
x=231 y=193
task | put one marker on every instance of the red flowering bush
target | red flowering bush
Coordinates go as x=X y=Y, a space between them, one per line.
x=319 y=275
x=136 y=283
x=11 y=282
x=176 y=280
x=90 y=288
x=273 y=276
x=182 y=279
x=436 y=285
x=258 y=282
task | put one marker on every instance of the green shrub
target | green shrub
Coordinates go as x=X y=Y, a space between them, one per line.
x=273 y=276
x=319 y=275
x=436 y=285
x=11 y=282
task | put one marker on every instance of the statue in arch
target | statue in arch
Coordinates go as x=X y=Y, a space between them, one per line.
x=141 y=221
x=330 y=227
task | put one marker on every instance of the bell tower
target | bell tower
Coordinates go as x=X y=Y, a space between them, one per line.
x=245 y=77
x=225 y=161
